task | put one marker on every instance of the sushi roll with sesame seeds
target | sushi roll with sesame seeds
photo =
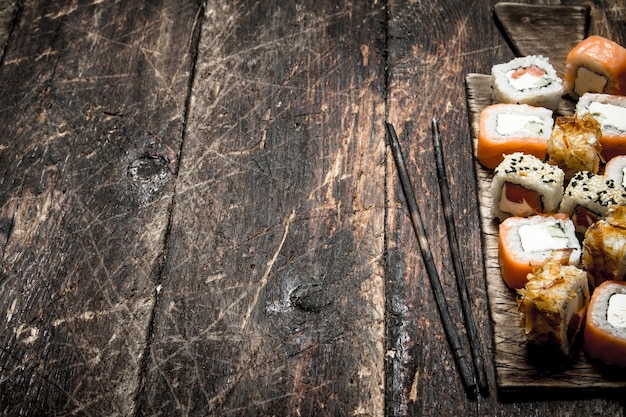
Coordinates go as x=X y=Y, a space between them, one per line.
x=527 y=80
x=604 y=248
x=523 y=186
x=588 y=197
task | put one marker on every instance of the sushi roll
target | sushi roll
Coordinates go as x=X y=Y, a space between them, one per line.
x=615 y=169
x=526 y=242
x=509 y=128
x=610 y=112
x=575 y=144
x=604 y=248
x=605 y=325
x=587 y=198
x=524 y=185
x=553 y=305
x=595 y=65
x=527 y=80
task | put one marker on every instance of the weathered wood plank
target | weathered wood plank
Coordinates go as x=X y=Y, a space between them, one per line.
x=8 y=11
x=269 y=298
x=92 y=102
x=272 y=300
x=427 y=79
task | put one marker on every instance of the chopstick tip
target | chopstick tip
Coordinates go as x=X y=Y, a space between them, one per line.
x=435 y=125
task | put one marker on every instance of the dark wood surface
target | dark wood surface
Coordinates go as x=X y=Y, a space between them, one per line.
x=200 y=215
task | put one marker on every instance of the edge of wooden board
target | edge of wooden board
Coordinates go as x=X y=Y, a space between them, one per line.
x=549 y=30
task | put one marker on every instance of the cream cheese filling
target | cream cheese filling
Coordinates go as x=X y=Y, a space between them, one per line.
x=589 y=82
x=609 y=115
x=508 y=124
x=542 y=237
x=527 y=81
x=616 y=312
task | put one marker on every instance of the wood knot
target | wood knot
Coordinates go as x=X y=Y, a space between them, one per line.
x=150 y=167
x=311 y=298
x=153 y=162
x=147 y=168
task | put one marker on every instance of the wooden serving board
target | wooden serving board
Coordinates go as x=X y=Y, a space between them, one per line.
x=517 y=367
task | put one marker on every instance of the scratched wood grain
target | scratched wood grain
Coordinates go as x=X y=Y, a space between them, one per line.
x=272 y=296
x=92 y=99
x=8 y=11
x=278 y=273
x=427 y=79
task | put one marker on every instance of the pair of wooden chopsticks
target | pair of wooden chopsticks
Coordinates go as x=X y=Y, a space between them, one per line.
x=452 y=333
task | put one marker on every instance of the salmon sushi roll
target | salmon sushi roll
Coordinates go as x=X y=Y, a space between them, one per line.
x=605 y=325
x=604 y=247
x=588 y=197
x=527 y=242
x=610 y=111
x=523 y=185
x=553 y=305
x=615 y=169
x=527 y=80
x=595 y=65
x=509 y=128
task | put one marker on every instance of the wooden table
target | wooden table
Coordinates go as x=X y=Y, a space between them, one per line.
x=200 y=214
